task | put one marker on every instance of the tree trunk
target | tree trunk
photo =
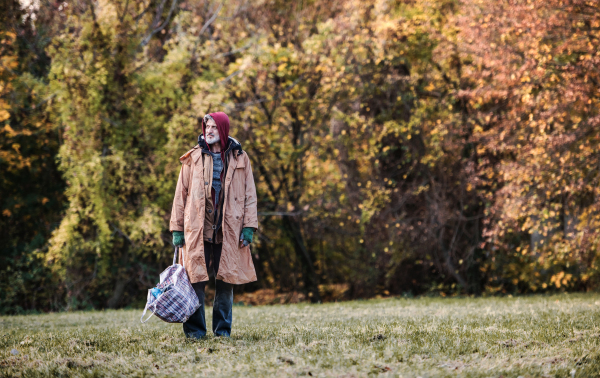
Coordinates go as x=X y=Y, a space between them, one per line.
x=118 y=292
x=311 y=281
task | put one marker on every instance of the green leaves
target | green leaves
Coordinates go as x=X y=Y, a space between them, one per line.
x=473 y=136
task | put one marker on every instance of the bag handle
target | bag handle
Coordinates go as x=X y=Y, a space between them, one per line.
x=182 y=260
x=144 y=313
x=175 y=254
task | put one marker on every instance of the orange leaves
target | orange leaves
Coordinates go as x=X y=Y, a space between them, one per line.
x=4 y=114
x=561 y=279
x=543 y=141
x=8 y=62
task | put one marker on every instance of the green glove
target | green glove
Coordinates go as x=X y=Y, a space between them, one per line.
x=178 y=239
x=247 y=234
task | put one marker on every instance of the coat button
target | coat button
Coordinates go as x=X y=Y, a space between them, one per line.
x=209 y=239
x=209 y=211
x=236 y=199
x=237 y=217
x=205 y=182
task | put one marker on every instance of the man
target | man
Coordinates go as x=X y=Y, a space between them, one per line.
x=214 y=218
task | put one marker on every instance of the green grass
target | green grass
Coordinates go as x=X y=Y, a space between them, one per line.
x=483 y=337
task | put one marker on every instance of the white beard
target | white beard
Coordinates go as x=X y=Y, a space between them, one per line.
x=213 y=140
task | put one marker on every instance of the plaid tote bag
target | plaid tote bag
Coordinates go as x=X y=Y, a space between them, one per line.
x=176 y=300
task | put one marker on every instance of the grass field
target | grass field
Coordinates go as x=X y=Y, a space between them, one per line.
x=484 y=337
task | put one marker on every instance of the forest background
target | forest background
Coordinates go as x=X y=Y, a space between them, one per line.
x=399 y=147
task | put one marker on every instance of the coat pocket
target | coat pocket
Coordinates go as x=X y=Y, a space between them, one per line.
x=238 y=213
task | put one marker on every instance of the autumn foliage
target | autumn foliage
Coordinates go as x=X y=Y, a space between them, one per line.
x=399 y=148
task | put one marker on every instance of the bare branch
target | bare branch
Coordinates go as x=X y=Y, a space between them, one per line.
x=139 y=16
x=118 y=231
x=204 y=27
x=281 y=213
x=234 y=51
x=210 y=20
x=264 y=99
x=224 y=81
x=91 y=4
x=124 y=12
x=161 y=27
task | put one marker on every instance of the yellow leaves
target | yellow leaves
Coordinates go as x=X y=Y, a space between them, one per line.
x=6 y=213
x=560 y=279
x=421 y=189
x=4 y=115
x=45 y=200
x=385 y=25
x=9 y=63
x=10 y=36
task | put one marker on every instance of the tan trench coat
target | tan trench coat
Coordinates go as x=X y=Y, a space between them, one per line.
x=239 y=211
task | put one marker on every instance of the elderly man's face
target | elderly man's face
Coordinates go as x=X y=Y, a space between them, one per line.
x=211 y=132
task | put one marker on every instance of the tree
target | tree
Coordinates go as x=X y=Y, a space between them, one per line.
x=30 y=185
x=533 y=73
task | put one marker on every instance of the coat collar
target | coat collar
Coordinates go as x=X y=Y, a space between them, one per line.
x=232 y=145
x=202 y=147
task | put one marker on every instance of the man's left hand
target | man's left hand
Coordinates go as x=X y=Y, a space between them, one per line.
x=247 y=235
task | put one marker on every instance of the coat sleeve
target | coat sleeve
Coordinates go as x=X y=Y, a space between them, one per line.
x=250 y=211
x=181 y=194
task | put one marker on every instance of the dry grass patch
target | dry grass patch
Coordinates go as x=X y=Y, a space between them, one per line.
x=484 y=337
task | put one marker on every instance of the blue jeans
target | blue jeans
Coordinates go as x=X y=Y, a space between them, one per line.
x=195 y=327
